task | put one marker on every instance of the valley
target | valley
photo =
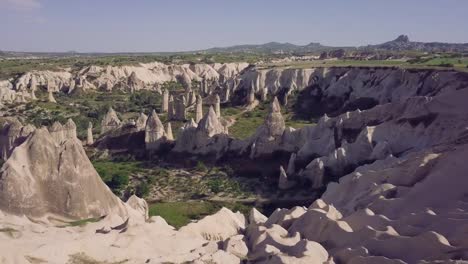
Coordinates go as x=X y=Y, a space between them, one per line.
x=274 y=159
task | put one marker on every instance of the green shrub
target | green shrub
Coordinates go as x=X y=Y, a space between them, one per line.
x=142 y=189
x=448 y=65
x=201 y=167
x=216 y=185
x=118 y=181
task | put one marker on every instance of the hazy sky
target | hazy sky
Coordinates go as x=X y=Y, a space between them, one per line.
x=175 y=25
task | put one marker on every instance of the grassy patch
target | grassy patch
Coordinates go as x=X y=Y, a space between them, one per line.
x=179 y=214
x=248 y=122
x=83 y=222
x=117 y=174
x=9 y=231
x=82 y=258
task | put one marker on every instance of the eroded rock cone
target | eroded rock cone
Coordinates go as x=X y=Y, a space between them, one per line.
x=180 y=110
x=274 y=125
x=141 y=121
x=154 y=131
x=169 y=135
x=69 y=130
x=199 y=109
x=89 y=134
x=110 y=121
x=51 y=98
x=210 y=124
x=33 y=95
x=42 y=177
x=283 y=182
x=134 y=83
x=217 y=106
x=165 y=101
x=171 y=108
x=251 y=97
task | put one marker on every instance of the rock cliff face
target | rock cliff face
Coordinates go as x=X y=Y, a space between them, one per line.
x=12 y=134
x=50 y=174
x=341 y=89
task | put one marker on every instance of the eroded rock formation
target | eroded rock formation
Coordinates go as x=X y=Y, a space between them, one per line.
x=154 y=131
x=89 y=134
x=199 y=109
x=110 y=121
x=49 y=174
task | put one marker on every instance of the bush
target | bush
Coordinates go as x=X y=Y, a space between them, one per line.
x=445 y=65
x=142 y=190
x=216 y=185
x=201 y=166
x=119 y=181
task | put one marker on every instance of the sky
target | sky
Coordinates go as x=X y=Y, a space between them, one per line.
x=181 y=25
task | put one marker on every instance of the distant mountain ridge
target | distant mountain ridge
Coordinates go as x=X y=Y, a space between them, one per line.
x=401 y=43
x=270 y=47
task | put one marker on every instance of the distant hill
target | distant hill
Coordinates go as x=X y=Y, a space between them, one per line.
x=271 y=48
x=403 y=43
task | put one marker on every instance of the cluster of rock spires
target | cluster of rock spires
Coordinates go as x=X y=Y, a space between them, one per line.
x=148 y=76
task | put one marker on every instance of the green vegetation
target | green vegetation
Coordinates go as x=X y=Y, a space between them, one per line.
x=117 y=174
x=142 y=189
x=179 y=214
x=14 y=67
x=201 y=183
x=454 y=61
x=247 y=122
x=11 y=232
x=87 y=107
x=201 y=166
x=84 y=222
x=82 y=258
